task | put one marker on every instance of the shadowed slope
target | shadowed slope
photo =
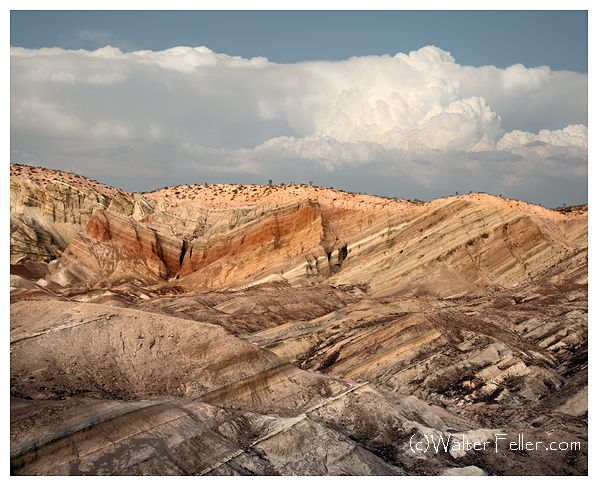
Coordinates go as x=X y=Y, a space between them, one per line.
x=293 y=330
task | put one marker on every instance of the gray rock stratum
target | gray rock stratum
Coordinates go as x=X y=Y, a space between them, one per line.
x=293 y=330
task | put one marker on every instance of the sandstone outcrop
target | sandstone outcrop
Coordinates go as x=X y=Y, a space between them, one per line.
x=445 y=247
x=48 y=209
x=293 y=330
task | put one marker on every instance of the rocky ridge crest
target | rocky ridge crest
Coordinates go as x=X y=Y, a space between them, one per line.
x=294 y=330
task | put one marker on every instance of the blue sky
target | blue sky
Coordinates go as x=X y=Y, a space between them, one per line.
x=411 y=104
x=554 y=38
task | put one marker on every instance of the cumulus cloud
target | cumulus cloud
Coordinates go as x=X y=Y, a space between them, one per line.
x=393 y=124
x=575 y=136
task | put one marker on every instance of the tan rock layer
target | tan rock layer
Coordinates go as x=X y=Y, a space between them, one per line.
x=49 y=208
x=445 y=247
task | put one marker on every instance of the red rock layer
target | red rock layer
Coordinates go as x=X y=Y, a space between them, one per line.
x=116 y=246
x=206 y=239
x=255 y=249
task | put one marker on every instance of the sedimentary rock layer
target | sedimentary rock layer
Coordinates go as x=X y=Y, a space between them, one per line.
x=444 y=247
x=293 y=330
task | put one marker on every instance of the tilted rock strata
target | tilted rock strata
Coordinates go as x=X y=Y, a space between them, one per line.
x=454 y=246
x=117 y=247
x=229 y=330
x=457 y=246
x=48 y=209
x=258 y=248
x=267 y=416
x=44 y=220
x=505 y=363
x=443 y=248
x=469 y=246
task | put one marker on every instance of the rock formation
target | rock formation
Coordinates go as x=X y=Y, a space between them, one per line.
x=226 y=330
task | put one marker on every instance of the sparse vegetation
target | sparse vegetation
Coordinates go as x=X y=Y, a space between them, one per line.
x=423 y=330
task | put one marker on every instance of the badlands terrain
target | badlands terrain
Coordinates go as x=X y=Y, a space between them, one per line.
x=293 y=330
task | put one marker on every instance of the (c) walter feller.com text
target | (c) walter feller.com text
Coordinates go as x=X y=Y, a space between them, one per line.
x=461 y=443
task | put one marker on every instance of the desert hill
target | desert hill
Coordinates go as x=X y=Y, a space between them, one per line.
x=291 y=329
x=223 y=236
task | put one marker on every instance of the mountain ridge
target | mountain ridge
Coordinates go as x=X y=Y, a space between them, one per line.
x=297 y=231
x=292 y=330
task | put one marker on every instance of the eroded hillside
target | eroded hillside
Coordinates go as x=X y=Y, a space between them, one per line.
x=221 y=329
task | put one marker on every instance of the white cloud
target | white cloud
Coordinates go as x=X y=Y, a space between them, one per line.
x=574 y=136
x=188 y=111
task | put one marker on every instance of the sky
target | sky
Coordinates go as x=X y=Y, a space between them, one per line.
x=408 y=104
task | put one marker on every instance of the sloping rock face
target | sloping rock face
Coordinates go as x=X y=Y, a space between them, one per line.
x=48 y=209
x=119 y=247
x=456 y=245
x=250 y=250
x=444 y=247
x=140 y=387
x=229 y=330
